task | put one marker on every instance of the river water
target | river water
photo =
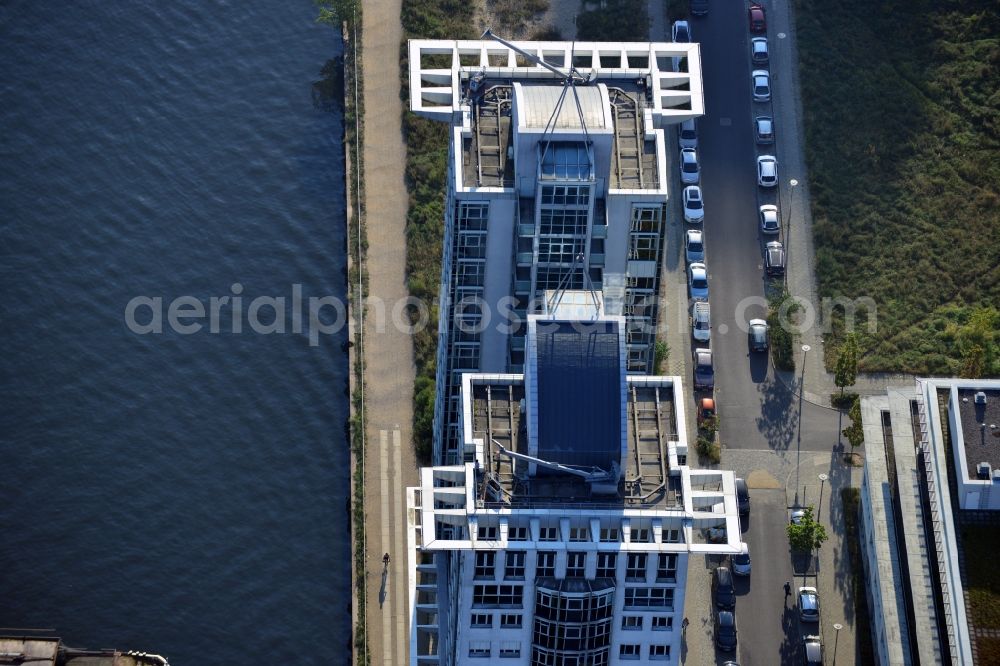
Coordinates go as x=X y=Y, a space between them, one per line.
x=180 y=493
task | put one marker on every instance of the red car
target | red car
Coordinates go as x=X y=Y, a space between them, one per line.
x=758 y=24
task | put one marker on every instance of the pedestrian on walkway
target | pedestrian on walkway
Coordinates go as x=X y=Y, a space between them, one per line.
x=385 y=561
x=788 y=590
x=684 y=626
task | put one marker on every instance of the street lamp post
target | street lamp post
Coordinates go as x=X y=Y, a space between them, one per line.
x=798 y=437
x=822 y=480
x=791 y=199
x=836 y=640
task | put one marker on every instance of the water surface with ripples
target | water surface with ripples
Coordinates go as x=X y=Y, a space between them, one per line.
x=182 y=494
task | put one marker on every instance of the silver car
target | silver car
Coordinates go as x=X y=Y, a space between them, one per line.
x=694 y=246
x=690 y=171
x=769 y=224
x=698 y=282
x=758 y=50
x=687 y=134
x=761 y=85
x=767 y=171
x=764 y=130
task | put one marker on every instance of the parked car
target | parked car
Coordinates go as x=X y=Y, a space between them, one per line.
x=758 y=50
x=701 y=321
x=774 y=259
x=761 y=85
x=687 y=134
x=767 y=171
x=741 y=562
x=694 y=247
x=812 y=651
x=694 y=206
x=796 y=516
x=723 y=590
x=706 y=410
x=681 y=32
x=757 y=335
x=699 y=7
x=698 y=281
x=704 y=373
x=769 y=220
x=808 y=604
x=725 y=631
x=764 y=129
x=757 y=19
x=742 y=497
x=690 y=171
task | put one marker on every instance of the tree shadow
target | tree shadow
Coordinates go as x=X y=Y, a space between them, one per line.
x=779 y=411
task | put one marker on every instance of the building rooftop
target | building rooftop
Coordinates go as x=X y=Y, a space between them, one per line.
x=980 y=425
x=541 y=102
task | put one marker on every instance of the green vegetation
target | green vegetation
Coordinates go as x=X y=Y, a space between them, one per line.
x=335 y=12
x=661 y=352
x=851 y=499
x=426 y=170
x=980 y=545
x=855 y=433
x=709 y=449
x=902 y=117
x=615 y=20
x=847 y=363
x=808 y=534
x=843 y=400
x=780 y=313
x=511 y=17
x=676 y=10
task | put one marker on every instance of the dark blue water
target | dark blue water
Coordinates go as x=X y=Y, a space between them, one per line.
x=183 y=494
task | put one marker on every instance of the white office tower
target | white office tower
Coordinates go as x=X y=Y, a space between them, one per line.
x=557 y=179
x=565 y=540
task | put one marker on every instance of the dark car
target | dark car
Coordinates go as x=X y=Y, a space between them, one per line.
x=699 y=7
x=742 y=496
x=758 y=22
x=725 y=631
x=764 y=130
x=704 y=373
x=722 y=588
x=774 y=259
x=757 y=335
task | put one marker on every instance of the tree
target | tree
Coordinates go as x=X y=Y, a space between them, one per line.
x=335 y=12
x=847 y=363
x=807 y=534
x=973 y=363
x=855 y=433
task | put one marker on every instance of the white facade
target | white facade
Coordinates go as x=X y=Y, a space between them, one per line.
x=522 y=216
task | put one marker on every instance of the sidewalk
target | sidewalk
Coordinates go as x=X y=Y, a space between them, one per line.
x=389 y=371
x=815 y=382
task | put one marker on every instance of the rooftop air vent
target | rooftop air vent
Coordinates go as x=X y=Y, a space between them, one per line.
x=983 y=471
x=981 y=398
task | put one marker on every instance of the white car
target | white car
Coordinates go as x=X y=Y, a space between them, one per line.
x=761 y=85
x=701 y=321
x=687 y=134
x=769 y=224
x=680 y=33
x=690 y=171
x=758 y=50
x=767 y=171
x=694 y=247
x=698 y=281
x=694 y=207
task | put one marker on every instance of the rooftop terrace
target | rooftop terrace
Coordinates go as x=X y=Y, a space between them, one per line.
x=980 y=428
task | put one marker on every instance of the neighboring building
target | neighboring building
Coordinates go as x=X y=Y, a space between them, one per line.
x=932 y=455
x=550 y=187
x=20 y=648
x=566 y=539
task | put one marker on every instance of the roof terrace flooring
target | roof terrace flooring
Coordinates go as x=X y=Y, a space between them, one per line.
x=982 y=442
x=496 y=417
x=484 y=152
x=633 y=157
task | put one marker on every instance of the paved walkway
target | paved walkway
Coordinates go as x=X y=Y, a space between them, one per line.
x=389 y=370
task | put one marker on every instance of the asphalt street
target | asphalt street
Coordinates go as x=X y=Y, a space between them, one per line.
x=758 y=411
